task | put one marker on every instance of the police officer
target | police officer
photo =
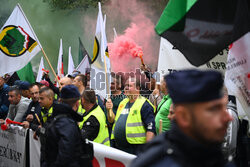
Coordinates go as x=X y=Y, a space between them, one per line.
x=63 y=146
x=134 y=121
x=199 y=127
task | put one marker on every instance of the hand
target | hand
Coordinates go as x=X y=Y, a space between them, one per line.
x=144 y=68
x=1 y=121
x=156 y=92
x=35 y=136
x=30 y=117
x=25 y=124
x=45 y=76
x=109 y=104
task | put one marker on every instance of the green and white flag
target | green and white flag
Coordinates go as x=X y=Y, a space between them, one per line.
x=18 y=42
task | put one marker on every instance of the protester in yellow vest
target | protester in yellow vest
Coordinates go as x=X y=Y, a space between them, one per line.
x=93 y=126
x=134 y=121
x=80 y=81
x=46 y=101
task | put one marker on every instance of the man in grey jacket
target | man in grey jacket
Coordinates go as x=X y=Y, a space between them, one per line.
x=18 y=104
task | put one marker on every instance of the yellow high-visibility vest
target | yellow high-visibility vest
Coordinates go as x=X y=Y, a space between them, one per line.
x=135 y=131
x=45 y=116
x=103 y=134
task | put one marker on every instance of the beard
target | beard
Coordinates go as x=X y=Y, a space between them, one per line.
x=198 y=132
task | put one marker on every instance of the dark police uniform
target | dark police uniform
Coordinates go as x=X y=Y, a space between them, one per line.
x=175 y=148
x=64 y=146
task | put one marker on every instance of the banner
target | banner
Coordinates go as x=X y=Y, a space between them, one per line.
x=171 y=60
x=110 y=157
x=34 y=150
x=237 y=78
x=12 y=147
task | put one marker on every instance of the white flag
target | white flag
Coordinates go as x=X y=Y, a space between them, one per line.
x=60 y=71
x=18 y=42
x=100 y=51
x=105 y=46
x=84 y=66
x=115 y=33
x=71 y=66
x=40 y=71
x=238 y=70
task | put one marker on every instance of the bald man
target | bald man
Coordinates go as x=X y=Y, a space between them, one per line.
x=63 y=82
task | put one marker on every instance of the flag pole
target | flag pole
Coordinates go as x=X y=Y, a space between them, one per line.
x=53 y=71
x=19 y=6
x=110 y=112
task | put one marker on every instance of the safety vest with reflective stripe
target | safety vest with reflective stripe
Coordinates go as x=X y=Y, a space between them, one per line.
x=135 y=131
x=80 y=109
x=45 y=116
x=103 y=134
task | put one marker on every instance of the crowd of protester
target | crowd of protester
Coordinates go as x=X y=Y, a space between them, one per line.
x=66 y=117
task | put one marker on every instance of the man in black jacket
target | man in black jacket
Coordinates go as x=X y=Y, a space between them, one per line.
x=64 y=145
x=30 y=118
x=199 y=126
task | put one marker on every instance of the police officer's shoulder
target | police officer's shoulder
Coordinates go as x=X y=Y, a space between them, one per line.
x=63 y=118
x=92 y=121
x=157 y=152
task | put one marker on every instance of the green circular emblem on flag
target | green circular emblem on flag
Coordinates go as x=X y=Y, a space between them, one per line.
x=14 y=41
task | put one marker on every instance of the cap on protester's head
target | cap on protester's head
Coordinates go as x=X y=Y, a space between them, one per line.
x=69 y=92
x=46 y=83
x=74 y=74
x=17 y=83
x=190 y=86
x=24 y=85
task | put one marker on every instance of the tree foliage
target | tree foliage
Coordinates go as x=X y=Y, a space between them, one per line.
x=72 y=4
x=84 y=4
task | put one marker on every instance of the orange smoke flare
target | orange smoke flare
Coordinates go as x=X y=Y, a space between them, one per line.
x=140 y=54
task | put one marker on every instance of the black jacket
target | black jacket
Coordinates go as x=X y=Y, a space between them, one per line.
x=63 y=146
x=33 y=108
x=174 y=149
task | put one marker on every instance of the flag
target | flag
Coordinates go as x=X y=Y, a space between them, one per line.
x=201 y=29
x=82 y=52
x=60 y=71
x=40 y=71
x=100 y=54
x=71 y=66
x=115 y=33
x=105 y=46
x=26 y=73
x=18 y=42
x=100 y=35
x=238 y=71
x=84 y=66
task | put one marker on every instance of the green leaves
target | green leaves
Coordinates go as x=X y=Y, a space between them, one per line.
x=72 y=4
